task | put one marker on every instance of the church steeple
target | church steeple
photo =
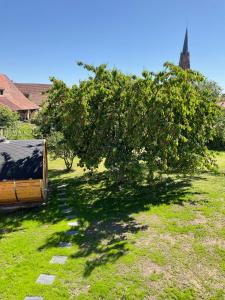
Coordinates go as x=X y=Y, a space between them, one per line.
x=185 y=55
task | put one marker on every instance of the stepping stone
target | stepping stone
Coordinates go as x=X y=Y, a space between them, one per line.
x=71 y=232
x=65 y=245
x=34 y=298
x=62 y=196
x=62 y=205
x=58 y=260
x=62 y=186
x=71 y=217
x=62 y=199
x=67 y=210
x=62 y=193
x=73 y=224
x=46 y=279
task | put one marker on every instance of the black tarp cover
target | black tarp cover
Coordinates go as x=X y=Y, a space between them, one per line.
x=21 y=159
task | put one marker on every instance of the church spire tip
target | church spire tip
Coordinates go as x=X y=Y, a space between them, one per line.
x=185 y=56
x=185 y=46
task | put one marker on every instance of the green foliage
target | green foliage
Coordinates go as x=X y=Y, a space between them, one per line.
x=7 y=117
x=161 y=121
x=139 y=126
x=174 y=293
x=100 y=105
x=156 y=276
x=178 y=122
x=20 y=131
x=58 y=147
x=218 y=142
x=51 y=123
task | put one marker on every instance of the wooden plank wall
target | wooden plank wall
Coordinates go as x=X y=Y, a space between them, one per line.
x=21 y=191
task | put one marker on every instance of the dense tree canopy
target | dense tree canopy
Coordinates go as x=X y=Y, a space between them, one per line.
x=159 y=122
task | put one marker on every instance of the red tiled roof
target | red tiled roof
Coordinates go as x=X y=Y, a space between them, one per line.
x=35 y=91
x=14 y=95
x=4 y=101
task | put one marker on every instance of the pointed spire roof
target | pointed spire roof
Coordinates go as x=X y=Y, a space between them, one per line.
x=185 y=55
x=185 y=46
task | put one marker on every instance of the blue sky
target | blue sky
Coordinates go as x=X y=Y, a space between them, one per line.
x=42 y=38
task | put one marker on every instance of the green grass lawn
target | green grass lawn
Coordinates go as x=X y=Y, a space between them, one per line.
x=139 y=242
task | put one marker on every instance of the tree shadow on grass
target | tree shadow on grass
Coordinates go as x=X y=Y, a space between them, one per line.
x=105 y=213
x=12 y=220
x=106 y=218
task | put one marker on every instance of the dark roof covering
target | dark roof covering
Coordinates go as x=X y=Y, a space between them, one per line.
x=21 y=160
x=185 y=46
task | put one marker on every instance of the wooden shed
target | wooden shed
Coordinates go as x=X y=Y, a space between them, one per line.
x=23 y=172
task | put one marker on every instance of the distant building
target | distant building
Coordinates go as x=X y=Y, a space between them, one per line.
x=12 y=97
x=24 y=98
x=185 y=55
x=35 y=92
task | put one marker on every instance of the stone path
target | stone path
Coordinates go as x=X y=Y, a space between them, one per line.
x=71 y=232
x=65 y=245
x=67 y=210
x=62 y=194
x=62 y=186
x=58 y=260
x=34 y=298
x=62 y=205
x=62 y=199
x=73 y=224
x=48 y=279
x=71 y=217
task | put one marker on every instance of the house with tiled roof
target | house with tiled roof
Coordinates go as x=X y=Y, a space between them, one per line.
x=14 y=99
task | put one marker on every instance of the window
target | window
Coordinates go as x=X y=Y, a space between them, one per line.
x=1 y=92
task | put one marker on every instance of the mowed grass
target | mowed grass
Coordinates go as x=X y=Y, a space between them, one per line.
x=138 y=242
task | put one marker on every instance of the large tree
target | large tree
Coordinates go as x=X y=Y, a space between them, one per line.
x=159 y=123
x=162 y=121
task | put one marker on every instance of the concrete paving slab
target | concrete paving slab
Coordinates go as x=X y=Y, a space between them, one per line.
x=67 y=210
x=34 y=298
x=63 y=205
x=73 y=224
x=65 y=245
x=71 y=217
x=46 y=279
x=71 y=232
x=62 y=186
x=58 y=260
